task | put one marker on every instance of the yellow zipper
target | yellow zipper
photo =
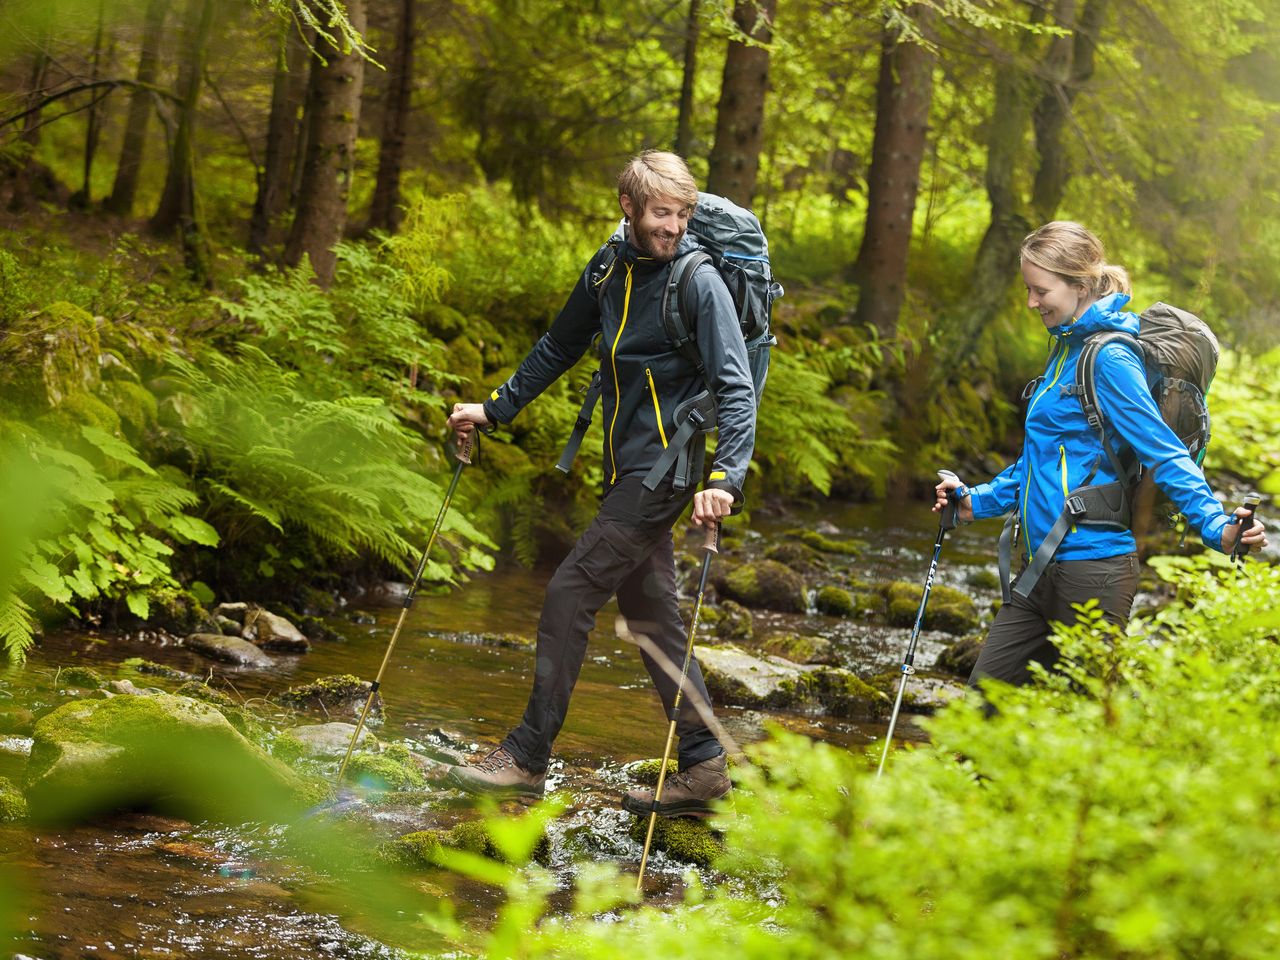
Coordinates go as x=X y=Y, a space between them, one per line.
x=1026 y=486
x=1062 y=463
x=613 y=361
x=653 y=390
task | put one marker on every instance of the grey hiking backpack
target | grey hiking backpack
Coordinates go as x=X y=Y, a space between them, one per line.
x=1180 y=355
x=731 y=239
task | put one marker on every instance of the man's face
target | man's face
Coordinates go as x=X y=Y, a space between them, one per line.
x=656 y=230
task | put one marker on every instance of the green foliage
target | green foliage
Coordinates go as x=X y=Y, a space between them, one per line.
x=1244 y=403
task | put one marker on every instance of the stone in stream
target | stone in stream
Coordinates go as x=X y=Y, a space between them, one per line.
x=962 y=656
x=736 y=677
x=336 y=696
x=164 y=753
x=229 y=627
x=13 y=806
x=949 y=609
x=682 y=838
x=801 y=648
x=321 y=740
x=16 y=720
x=215 y=646
x=235 y=612
x=273 y=632
x=926 y=691
x=767 y=584
x=420 y=849
x=734 y=622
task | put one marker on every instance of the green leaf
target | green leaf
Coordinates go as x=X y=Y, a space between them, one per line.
x=202 y=592
x=194 y=530
x=115 y=448
x=138 y=605
x=46 y=578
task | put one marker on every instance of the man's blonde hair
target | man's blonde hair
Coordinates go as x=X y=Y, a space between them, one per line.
x=1072 y=252
x=656 y=173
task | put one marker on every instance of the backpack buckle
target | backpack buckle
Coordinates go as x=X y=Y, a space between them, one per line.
x=1075 y=506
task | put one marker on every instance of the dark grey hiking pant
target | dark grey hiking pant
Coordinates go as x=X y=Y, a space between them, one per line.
x=627 y=550
x=1020 y=634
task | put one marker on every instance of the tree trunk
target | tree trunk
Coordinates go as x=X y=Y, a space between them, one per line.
x=93 y=127
x=332 y=117
x=385 y=212
x=684 y=121
x=904 y=93
x=125 y=186
x=26 y=179
x=275 y=180
x=735 y=157
x=177 y=209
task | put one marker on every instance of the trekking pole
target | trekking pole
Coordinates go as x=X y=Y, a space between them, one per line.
x=711 y=545
x=948 y=520
x=463 y=456
x=1240 y=549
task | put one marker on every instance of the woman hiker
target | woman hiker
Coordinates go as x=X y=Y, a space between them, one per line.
x=1077 y=293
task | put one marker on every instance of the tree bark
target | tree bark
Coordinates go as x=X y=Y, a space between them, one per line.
x=177 y=208
x=385 y=212
x=93 y=127
x=735 y=157
x=125 y=187
x=904 y=93
x=332 y=117
x=275 y=180
x=684 y=120
x=25 y=182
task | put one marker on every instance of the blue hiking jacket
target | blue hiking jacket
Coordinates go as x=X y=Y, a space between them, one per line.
x=1060 y=448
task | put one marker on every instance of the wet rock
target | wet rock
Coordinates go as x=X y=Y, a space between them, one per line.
x=511 y=641
x=949 y=609
x=235 y=612
x=683 y=838
x=823 y=542
x=799 y=557
x=421 y=849
x=16 y=721
x=229 y=627
x=228 y=650
x=164 y=753
x=244 y=721
x=156 y=669
x=646 y=771
x=13 y=806
x=321 y=740
x=926 y=691
x=767 y=584
x=801 y=648
x=394 y=769
x=983 y=579
x=342 y=696
x=126 y=688
x=84 y=678
x=962 y=656
x=734 y=676
x=835 y=602
x=734 y=622
x=826 y=528
x=273 y=632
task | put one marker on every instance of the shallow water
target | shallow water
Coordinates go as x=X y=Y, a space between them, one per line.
x=144 y=886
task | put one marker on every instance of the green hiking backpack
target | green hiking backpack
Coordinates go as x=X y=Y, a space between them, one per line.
x=731 y=239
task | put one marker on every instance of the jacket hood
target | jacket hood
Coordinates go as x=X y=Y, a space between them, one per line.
x=1106 y=314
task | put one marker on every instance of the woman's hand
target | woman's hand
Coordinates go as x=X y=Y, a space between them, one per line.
x=948 y=482
x=1255 y=537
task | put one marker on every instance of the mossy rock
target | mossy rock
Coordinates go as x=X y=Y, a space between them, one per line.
x=387 y=771
x=646 y=771
x=16 y=721
x=82 y=409
x=84 y=678
x=801 y=648
x=869 y=604
x=166 y=753
x=798 y=556
x=465 y=360
x=151 y=668
x=50 y=357
x=983 y=579
x=443 y=321
x=962 y=656
x=340 y=695
x=421 y=849
x=13 y=805
x=835 y=602
x=825 y=544
x=842 y=694
x=240 y=718
x=134 y=404
x=949 y=609
x=682 y=838
x=733 y=621
x=767 y=584
x=708 y=616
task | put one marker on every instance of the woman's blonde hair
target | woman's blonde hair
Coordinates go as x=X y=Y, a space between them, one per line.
x=1076 y=255
x=655 y=173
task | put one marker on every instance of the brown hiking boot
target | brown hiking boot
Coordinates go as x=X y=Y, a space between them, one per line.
x=499 y=774
x=689 y=793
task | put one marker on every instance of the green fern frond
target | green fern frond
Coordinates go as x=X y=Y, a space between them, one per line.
x=17 y=626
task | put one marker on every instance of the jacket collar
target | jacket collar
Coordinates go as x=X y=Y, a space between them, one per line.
x=1106 y=314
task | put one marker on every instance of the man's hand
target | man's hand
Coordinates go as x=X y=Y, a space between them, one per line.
x=1255 y=537
x=465 y=418
x=710 y=505
x=948 y=483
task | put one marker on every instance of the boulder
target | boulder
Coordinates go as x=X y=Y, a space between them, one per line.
x=962 y=656
x=682 y=838
x=926 y=691
x=474 y=836
x=165 y=753
x=321 y=740
x=235 y=612
x=835 y=602
x=156 y=669
x=801 y=648
x=224 y=649
x=949 y=609
x=734 y=622
x=767 y=584
x=734 y=676
x=394 y=769
x=273 y=632
x=13 y=806
x=84 y=678
x=343 y=695
x=799 y=557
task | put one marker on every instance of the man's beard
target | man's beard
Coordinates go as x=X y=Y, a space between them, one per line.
x=649 y=243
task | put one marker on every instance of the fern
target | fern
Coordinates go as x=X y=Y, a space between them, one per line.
x=17 y=625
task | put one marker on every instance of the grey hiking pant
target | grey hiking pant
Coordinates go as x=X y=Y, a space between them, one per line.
x=628 y=551
x=1020 y=634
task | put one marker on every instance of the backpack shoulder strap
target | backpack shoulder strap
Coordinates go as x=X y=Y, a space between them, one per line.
x=677 y=308
x=1086 y=390
x=604 y=273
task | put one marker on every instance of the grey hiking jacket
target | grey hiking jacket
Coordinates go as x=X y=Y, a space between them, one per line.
x=644 y=377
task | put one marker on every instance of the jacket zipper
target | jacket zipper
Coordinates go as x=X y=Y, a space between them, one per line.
x=653 y=390
x=1066 y=491
x=1026 y=486
x=613 y=361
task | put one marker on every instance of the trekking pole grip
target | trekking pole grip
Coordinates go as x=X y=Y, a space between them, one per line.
x=1240 y=548
x=462 y=450
x=711 y=541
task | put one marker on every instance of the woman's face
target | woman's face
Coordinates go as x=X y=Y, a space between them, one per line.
x=1056 y=300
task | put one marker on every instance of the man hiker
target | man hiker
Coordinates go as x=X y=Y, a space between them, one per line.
x=628 y=549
